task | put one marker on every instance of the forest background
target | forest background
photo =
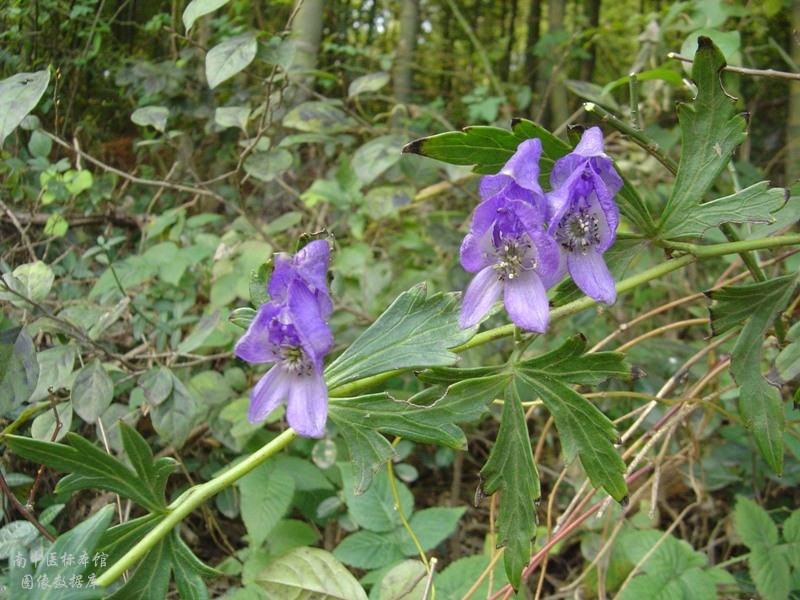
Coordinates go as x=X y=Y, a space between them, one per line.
x=177 y=146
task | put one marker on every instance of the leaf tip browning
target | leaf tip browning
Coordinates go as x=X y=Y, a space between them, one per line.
x=414 y=147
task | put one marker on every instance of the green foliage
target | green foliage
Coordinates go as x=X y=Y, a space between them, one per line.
x=711 y=131
x=19 y=369
x=19 y=95
x=510 y=469
x=773 y=557
x=760 y=403
x=414 y=332
x=583 y=429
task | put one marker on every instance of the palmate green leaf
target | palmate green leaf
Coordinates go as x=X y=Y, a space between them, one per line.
x=19 y=368
x=90 y=467
x=710 y=131
x=583 y=429
x=760 y=403
x=151 y=577
x=309 y=573
x=750 y=205
x=510 y=468
x=431 y=416
x=414 y=332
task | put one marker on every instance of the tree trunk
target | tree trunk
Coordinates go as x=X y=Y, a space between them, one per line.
x=404 y=55
x=531 y=61
x=592 y=8
x=793 y=121
x=307 y=33
x=505 y=63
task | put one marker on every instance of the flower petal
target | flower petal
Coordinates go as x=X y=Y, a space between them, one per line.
x=523 y=166
x=315 y=335
x=482 y=292
x=307 y=408
x=312 y=263
x=591 y=143
x=590 y=274
x=255 y=346
x=526 y=302
x=283 y=273
x=268 y=393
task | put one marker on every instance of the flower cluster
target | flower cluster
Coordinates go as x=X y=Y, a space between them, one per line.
x=523 y=240
x=292 y=331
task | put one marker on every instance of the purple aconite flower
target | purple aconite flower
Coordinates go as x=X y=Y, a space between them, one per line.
x=519 y=177
x=583 y=216
x=309 y=265
x=510 y=252
x=294 y=334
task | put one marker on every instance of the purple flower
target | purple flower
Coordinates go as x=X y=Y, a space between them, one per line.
x=519 y=177
x=583 y=216
x=293 y=333
x=309 y=265
x=511 y=253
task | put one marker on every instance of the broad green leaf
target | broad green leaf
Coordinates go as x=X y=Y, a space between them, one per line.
x=19 y=95
x=78 y=182
x=89 y=467
x=204 y=328
x=265 y=494
x=374 y=509
x=431 y=416
x=232 y=116
x=458 y=577
x=56 y=225
x=156 y=385
x=510 y=468
x=710 y=131
x=173 y=418
x=376 y=156
x=760 y=403
x=279 y=51
x=750 y=205
x=582 y=428
x=414 y=332
x=44 y=426
x=15 y=536
x=83 y=538
x=266 y=166
x=406 y=581
x=787 y=364
x=19 y=369
x=92 y=391
x=227 y=59
x=309 y=573
x=791 y=533
x=318 y=117
x=431 y=526
x=368 y=550
x=370 y=82
x=769 y=569
x=151 y=116
x=291 y=533
x=197 y=8
x=32 y=280
x=753 y=523
x=55 y=367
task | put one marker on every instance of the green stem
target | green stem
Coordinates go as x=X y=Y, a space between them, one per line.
x=733 y=247
x=190 y=501
x=635 y=134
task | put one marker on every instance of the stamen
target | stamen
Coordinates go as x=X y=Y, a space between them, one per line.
x=578 y=230
x=295 y=360
x=512 y=256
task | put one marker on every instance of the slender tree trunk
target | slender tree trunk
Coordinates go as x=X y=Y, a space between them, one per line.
x=307 y=33
x=505 y=63
x=404 y=55
x=592 y=8
x=793 y=121
x=531 y=61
